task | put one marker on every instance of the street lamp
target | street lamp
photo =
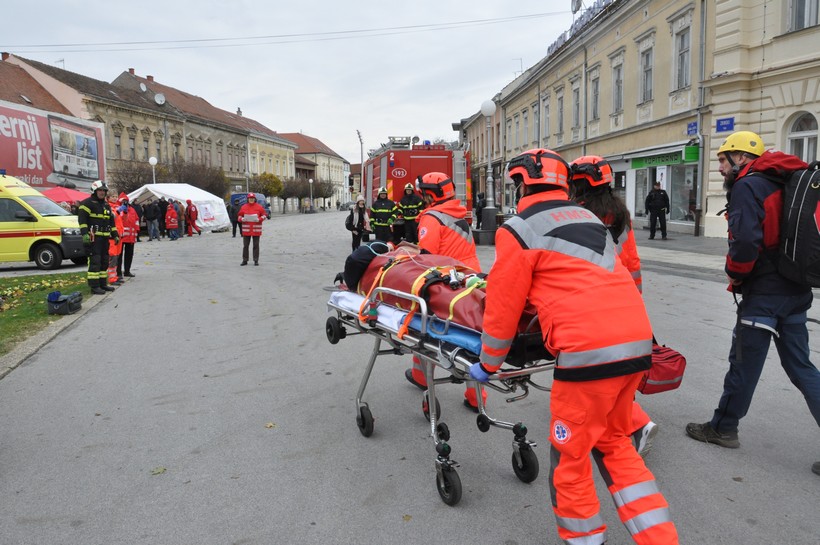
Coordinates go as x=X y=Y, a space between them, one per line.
x=367 y=190
x=310 y=183
x=489 y=212
x=153 y=162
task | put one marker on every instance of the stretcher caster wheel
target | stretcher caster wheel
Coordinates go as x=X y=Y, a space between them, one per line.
x=527 y=469
x=448 y=484
x=442 y=432
x=365 y=421
x=483 y=423
x=425 y=407
x=334 y=330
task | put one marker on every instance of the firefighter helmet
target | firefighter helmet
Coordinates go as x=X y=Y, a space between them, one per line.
x=540 y=167
x=410 y=187
x=437 y=185
x=745 y=141
x=592 y=168
x=99 y=184
x=382 y=190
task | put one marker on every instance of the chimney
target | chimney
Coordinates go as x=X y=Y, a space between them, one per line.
x=239 y=111
x=149 y=78
x=131 y=71
x=6 y=56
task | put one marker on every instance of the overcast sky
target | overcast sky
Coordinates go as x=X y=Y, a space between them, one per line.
x=324 y=68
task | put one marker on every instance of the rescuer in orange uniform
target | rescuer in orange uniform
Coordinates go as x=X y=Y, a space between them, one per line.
x=443 y=230
x=559 y=257
x=591 y=187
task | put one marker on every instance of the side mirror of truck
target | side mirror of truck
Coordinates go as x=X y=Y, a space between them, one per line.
x=24 y=216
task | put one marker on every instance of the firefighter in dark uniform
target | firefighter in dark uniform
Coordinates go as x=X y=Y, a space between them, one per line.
x=410 y=206
x=382 y=215
x=96 y=226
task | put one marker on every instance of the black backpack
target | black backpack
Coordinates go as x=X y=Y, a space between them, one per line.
x=799 y=258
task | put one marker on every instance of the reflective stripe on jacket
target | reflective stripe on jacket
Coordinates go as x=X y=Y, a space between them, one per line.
x=94 y=216
x=558 y=256
x=382 y=213
x=252 y=229
x=443 y=230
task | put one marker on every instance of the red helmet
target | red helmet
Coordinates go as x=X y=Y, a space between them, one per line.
x=436 y=184
x=592 y=168
x=251 y=196
x=540 y=167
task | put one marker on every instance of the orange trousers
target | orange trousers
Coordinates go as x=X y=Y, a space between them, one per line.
x=595 y=417
x=420 y=375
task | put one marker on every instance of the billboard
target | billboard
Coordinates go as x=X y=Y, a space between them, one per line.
x=45 y=149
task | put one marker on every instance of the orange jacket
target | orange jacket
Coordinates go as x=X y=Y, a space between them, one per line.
x=558 y=256
x=171 y=219
x=116 y=248
x=444 y=231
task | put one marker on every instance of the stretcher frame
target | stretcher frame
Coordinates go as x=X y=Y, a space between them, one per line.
x=456 y=361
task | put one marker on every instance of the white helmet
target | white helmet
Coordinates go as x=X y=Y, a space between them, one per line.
x=99 y=184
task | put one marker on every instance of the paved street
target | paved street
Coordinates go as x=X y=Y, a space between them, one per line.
x=201 y=403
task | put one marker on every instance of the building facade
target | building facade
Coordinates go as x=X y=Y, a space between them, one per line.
x=328 y=165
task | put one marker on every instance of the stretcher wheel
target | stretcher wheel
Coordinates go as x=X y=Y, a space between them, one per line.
x=425 y=407
x=334 y=330
x=365 y=421
x=527 y=472
x=448 y=484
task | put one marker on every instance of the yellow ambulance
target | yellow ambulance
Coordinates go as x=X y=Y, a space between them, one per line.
x=34 y=228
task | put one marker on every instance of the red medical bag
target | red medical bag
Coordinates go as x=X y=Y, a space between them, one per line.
x=666 y=372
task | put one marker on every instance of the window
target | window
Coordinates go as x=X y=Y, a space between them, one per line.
x=545 y=122
x=219 y=162
x=576 y=108
x=208 y=158
x=132 y=149
x=594 y=91
x=646 y=75
x=509 y=134
x=199 y=156
x=159 y=152
x=560 y=107
x=682 y=59
x=517 y=131
x=190 y=154
x=526 y=116
x=8 y=208
x=145 y=151
x=536 y=130
x=803 y=13
x=117 y=147
x=618 y=88
x=803 y=138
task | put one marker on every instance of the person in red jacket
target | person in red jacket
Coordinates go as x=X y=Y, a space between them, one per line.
x=130 y=228
x=591 y=187
x=191 y=215
x=443 y=230
x=172 y=221
x=115 y=247
x=559 y=257
x=251 y=216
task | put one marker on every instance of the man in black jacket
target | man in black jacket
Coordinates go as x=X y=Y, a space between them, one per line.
x=96 y=226
x=657 y=206
x=382 y=215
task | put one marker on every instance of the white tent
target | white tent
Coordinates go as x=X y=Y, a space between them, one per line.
x=213 y=216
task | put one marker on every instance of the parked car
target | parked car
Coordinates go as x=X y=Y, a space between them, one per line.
x=347 y=207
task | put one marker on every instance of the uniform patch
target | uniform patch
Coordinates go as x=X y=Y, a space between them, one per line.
x=561 y=432
x=422 y=232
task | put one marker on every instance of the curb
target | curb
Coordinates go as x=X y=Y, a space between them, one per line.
x=31 y=345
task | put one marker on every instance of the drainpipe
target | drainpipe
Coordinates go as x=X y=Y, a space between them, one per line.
x=701 y=139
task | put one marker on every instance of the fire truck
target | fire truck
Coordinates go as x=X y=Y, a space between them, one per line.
x=403 y=159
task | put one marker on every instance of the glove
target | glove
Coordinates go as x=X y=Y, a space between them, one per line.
x=116 y=239
x=478 y=373
x=87 y=239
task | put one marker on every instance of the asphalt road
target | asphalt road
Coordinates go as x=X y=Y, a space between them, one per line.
x=202 y=404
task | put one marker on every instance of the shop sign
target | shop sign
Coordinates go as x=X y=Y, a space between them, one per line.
x=657 y=160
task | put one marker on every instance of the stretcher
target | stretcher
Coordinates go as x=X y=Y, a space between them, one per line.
x=447 y=346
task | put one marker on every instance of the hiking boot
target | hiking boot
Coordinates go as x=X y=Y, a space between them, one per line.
x=815 y=468
x=108 y=288
x=97 y=291
x=707 y=434
x=408 y=374
x=471 y=406
x=643 y=438
x=243 y=263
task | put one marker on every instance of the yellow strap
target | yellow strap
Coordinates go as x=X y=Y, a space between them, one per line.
x=457 y=298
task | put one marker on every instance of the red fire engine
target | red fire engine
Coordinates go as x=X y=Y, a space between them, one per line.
x=402 y=159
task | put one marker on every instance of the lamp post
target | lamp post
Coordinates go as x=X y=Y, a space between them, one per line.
x=153 y=162
x=367 y=189
x=488 y=221
x=310 y=183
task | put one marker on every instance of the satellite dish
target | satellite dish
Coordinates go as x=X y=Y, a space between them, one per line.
x=576 y=6
x=159 y=98
x=143 y=88
x=415 y=139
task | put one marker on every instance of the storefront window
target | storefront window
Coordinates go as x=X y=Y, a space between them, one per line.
x=641 y=190
x=681 y=191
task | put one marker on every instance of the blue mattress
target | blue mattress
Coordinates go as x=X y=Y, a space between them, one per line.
x=466 y=338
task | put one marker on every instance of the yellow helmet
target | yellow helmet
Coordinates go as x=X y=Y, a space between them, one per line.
x=745 y=141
